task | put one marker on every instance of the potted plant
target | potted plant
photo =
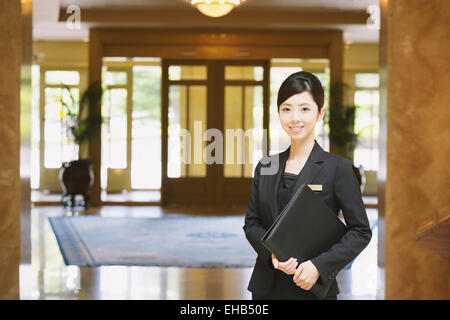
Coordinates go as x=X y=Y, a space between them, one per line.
x=341 y=120
x=79 y=124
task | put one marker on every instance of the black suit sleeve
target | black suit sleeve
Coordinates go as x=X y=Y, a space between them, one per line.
x=253 y=227
x=349 y=198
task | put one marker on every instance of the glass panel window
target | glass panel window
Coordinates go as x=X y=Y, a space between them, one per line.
x=35 y=128
x=115 y=59
x=62 y=77
x=187 y=123
x=146 y=128
x=58 y=148
x=116 y=78
x=234 y=154
x=367 y=121
x=188 y=72
x=243 y=129
x=256 y=111
x=175 y=141
x=147 y=59
x=367 y=80
x=115 y=129
x=244 y=73
x=52 y=128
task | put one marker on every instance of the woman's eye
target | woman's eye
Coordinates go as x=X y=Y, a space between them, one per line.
x=285 y=109
x=305 y=109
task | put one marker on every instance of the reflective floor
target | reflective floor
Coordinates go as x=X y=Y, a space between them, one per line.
x=45 y=276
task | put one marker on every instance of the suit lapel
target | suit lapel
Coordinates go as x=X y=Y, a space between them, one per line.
x=310 y=170
x=276 y=183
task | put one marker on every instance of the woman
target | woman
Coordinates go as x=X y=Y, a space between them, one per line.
x=300 y=108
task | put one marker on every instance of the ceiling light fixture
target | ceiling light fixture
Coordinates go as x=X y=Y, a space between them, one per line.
x=215 y=8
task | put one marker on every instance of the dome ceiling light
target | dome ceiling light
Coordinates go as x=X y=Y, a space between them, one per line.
x=215 y=8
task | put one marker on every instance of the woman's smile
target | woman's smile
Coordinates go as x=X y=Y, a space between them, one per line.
x=296 y=129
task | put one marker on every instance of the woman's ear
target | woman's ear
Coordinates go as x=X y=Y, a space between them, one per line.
x=321 y=114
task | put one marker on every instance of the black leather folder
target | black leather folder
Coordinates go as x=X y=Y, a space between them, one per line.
x=304 y=229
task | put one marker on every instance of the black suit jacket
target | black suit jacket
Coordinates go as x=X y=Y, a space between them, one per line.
x=340 y=191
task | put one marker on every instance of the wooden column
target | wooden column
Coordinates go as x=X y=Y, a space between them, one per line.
x=95 y=144
x=10 y=61
x=417 y=143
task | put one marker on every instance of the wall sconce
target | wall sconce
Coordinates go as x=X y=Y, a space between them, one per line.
x=215 y=8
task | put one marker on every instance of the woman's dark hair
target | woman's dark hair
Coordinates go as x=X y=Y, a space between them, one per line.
x=299 y=82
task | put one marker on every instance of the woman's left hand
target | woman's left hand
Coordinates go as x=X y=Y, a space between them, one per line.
x=306 y=275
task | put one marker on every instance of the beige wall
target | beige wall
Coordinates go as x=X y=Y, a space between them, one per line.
x=361 y=57
x=55 y=54
x=10 y=61
x=418 y=148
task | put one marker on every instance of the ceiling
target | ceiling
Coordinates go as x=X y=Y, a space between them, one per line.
x=340 y=4
x=47 y=25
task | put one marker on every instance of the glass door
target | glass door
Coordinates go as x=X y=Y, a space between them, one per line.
x=131 y=130
x=245 y=115
x=186 y=89
x=116 y=130
x=213 y=120
x=54 y=145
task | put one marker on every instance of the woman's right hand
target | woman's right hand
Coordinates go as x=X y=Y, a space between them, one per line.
x=289 y=267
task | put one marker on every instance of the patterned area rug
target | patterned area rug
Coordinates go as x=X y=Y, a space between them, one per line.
x=195 y=242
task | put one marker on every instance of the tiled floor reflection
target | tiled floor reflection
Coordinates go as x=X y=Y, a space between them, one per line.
x=47 y=277
x=363 y=280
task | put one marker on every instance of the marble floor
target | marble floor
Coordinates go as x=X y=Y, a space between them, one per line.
x=43 y=274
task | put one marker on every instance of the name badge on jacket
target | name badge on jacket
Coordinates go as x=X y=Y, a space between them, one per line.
x=315 y=187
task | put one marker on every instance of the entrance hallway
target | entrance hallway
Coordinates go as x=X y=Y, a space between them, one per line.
x=47 y=277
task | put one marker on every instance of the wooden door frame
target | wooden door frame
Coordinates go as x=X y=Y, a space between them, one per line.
x=170 y=187
x=129 y=103
x=214 y=189
x=49 y=177
x=206 y=44
x=233 y=191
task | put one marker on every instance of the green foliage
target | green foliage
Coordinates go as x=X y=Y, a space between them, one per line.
x=147 y=93
x=81 y=128
x=341 y=120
